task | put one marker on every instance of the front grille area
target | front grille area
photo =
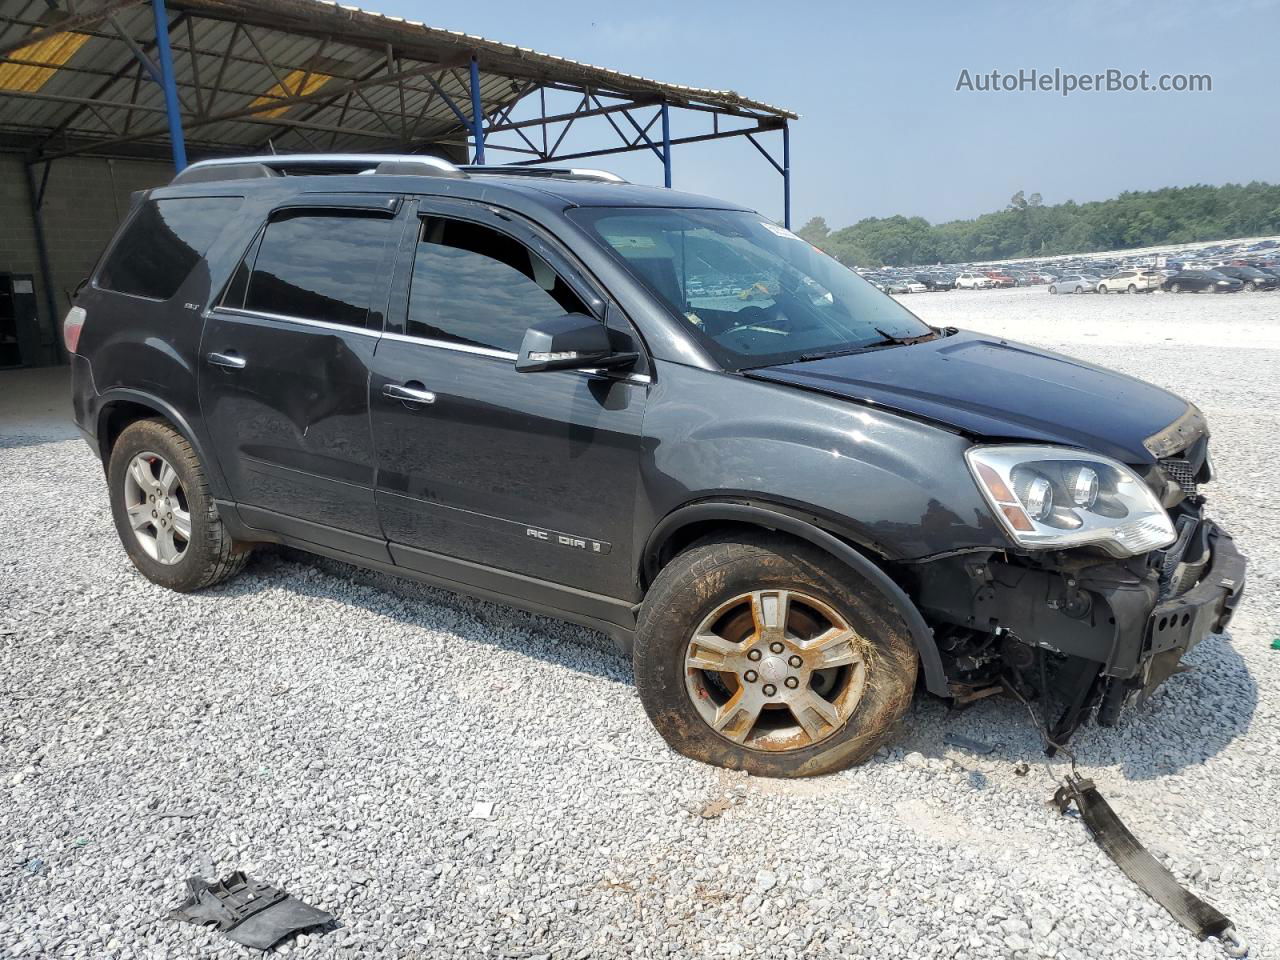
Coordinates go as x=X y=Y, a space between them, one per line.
x=1181 y=472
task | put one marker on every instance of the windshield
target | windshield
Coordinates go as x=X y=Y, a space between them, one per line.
x=751 y=292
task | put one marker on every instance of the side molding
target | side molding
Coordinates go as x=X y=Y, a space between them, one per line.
x=921 y=635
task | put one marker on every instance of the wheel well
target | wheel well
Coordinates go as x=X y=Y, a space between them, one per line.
x=115 y=417
x=868 y=564
x=686 y=536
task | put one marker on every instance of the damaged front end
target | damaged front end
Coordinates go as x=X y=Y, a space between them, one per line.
x=1082 y=626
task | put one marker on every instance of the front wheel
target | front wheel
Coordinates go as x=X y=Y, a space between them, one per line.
x=1250 y=287
x=769 y=656
x=1175 y=288
x=1053 y=289
x=1131 y=290
x=164 y=512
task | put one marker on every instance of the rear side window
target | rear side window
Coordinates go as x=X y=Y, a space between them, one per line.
x=476 y=286
x=314 y=268
x=163 y=243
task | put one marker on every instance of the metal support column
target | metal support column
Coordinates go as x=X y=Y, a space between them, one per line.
x=666 y=146
x=786 y=175
x=42 y=257
x=477 y=112
x=170 y=86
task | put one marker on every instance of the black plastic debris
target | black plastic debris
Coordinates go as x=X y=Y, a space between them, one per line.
x=967 y=743
x=1110 y=833
x=248 y=911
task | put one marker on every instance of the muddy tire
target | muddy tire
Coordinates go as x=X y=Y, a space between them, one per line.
x=164 y=512
x=769 y=656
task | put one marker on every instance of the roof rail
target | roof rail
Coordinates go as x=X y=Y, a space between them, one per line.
x=558 y=173
x=311 y=164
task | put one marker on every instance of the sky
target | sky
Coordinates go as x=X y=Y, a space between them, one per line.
x=883 y=129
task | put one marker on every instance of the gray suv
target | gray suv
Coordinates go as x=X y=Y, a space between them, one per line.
x=659 y=415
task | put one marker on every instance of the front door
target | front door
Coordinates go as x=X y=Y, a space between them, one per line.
x=534 y=474
x=284 y=380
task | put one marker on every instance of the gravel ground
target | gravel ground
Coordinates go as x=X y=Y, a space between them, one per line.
x=333 y=730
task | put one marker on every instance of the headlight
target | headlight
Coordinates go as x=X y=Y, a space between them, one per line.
x=1055 y=498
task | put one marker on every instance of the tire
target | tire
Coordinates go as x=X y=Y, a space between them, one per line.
x=1102 y=288
x=1175 y=288
x=709 y=589
x=1132 y=289
x=1053 y=289
x=1251 y=287
x=1079 y=289
x=136 y=478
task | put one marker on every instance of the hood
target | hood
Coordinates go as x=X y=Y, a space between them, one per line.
x=998 y=389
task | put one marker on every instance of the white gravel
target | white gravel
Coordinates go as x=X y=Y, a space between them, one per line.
x=336 y=732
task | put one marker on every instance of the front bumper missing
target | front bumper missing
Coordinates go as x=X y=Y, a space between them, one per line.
x=1178 y=624
x=1108 y=617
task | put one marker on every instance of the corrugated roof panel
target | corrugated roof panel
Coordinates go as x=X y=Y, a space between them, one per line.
x=300 y=39
x=52 y=52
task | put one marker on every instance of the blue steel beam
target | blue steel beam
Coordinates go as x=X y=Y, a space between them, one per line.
x=477 y=112
x=786 y=175
x=169 y=84
x=666 y=146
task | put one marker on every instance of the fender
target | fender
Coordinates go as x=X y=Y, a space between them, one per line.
x=217 y=482
x=921 y=635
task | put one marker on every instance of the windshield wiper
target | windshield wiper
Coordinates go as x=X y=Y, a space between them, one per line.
x=904 y=341
x=825 y=354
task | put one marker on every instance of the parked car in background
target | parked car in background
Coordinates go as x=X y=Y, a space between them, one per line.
x=937 y=281
x=1201 y=281
x=999 y=279
x=973 y=281
x=1074 y=283
x=1131 y=281
x=1251 y=277
x=905 y=285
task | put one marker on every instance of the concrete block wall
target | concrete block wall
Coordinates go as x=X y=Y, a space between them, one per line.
x=84 y=202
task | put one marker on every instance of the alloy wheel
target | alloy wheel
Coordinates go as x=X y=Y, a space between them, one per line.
x=776 y=670
x=157 y=507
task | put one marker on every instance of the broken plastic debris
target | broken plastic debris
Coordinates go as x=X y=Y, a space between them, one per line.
x=967 y=743
x=1275 y=644
x=248 y=911
x=482 y=810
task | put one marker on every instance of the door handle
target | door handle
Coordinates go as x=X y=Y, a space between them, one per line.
x=232 y=361
x=408 y=393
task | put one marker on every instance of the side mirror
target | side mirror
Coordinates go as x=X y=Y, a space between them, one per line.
x=572 y=342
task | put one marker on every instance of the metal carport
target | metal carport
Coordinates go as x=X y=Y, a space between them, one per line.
x=151 y=79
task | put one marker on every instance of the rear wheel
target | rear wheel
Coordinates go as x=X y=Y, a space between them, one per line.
x=1251 y=286
x=164 y=512
x=771 y=657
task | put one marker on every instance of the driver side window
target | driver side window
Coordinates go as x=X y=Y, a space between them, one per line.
x=475 y=286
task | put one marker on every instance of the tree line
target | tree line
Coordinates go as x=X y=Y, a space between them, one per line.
x=1028 y=228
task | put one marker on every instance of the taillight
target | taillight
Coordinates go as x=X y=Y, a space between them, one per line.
x=71 y=328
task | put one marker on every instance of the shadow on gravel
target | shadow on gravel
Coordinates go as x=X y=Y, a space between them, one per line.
x=12 y=441
x=418 y=604
x=1192 y=717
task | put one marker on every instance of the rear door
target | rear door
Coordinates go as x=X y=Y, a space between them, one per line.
x=284 y=380
x=534 y=474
